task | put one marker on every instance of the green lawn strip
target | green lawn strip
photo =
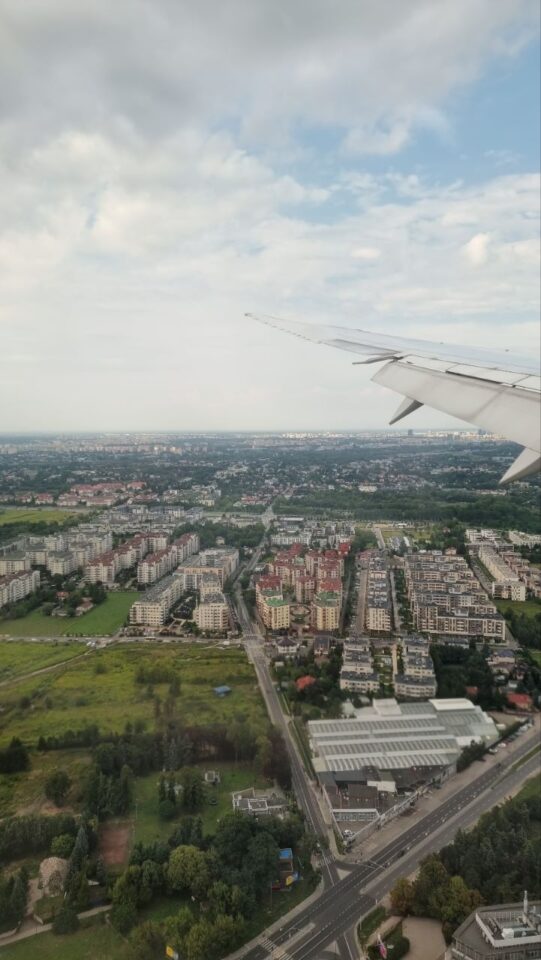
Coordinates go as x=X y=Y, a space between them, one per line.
x=528 y=607
x=277 y=904
x=96 y=940
x=76 y=695
x=233 y=777
x=532 y=788
x=20 y=657
x=535 y=655
x=103 y=620
x=370 y=923
x=299 y=732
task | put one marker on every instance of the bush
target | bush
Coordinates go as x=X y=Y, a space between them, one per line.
x=123 y=916
x=62 y=846
x=66 y=921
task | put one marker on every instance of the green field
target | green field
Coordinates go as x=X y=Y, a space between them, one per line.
x=20 y=657
x=75 y=694
x=529 y=607
x=149 y=827
x=36 y=515
x=87 y=944
x=24 y=792
x=103 y=620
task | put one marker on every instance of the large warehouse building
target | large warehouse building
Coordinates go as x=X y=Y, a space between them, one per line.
x=399 y=745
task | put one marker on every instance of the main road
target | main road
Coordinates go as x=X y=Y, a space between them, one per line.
x=308 y=934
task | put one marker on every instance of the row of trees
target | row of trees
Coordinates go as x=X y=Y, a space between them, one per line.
x=178 y=746
x=456 y=669
x=526 y=629
x=493 y=863
x=22 y=836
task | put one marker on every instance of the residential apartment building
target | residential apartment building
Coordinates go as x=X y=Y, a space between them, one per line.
x=17 y=586
x=61 y=563
x=14 y=562
x=154 y=605
x=447 y=599
x=212 y=613
x=506 y=583
x=325 y=611
x=378 y=605
x=276 y=613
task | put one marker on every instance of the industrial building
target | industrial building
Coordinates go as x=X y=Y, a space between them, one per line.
x=403 y=744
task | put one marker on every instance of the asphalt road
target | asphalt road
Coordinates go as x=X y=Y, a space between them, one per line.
x=339 y=907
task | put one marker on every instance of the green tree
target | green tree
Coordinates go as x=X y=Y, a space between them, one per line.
x=402 y=896
x=62 y=846
x=147 y=942
x=188 y=871
x=193 y=788
x=57 y=786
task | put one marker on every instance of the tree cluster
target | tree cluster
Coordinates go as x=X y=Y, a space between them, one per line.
x=14 y=758
x=22 y=836
x=495 y=862
x=13 y=898
x=228 y=874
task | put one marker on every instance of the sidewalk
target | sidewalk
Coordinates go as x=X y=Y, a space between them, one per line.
x=277 y=925
x=30 y=928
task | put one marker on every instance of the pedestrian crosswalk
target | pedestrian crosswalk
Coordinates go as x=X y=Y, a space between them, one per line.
x=275 y=952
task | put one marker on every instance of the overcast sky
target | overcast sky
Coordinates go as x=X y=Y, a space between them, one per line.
x=167 y=166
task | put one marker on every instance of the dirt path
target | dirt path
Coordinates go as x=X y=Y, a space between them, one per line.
x=35 y=673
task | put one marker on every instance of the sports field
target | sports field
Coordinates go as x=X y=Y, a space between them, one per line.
x=103 y=620
x=102 y=689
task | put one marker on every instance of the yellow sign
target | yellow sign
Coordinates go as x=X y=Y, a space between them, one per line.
x=170 y=952
x=289 y=880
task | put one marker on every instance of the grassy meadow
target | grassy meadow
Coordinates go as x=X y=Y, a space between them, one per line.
x=36 y=515
x=19 y=657
x=102 y=621
x=88 y=943
x=530 y=607
x=101 y=689
x=232 y=778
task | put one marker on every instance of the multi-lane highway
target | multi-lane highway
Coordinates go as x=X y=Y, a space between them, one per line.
x=339 y=907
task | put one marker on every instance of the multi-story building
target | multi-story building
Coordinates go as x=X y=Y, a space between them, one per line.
x=61 y=563
x=447 y=599
x=325 y=611
x=508 y=931
x=378 y=604
x=506 y=583
x=154 y=605
x=276 y=613
x=156 y=565
x=212 y=613
x=16 y=586
x=14 y=562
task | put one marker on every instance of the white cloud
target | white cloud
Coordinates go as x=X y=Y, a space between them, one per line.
x=476 y=249
x=155 y=187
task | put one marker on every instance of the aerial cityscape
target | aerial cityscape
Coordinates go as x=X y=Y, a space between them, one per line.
x=270 y=489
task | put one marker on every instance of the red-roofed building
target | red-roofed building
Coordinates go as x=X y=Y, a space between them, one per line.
x=520 y=701
x=303 y=682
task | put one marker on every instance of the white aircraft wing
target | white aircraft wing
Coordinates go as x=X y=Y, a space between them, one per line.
x=495 y=389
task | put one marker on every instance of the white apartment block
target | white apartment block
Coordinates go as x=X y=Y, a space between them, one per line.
x=153 y=607
x=14 y=562
x=325 y=613
x=506 y=583
x=212 y=614
x=16 y=586
x=61 y=563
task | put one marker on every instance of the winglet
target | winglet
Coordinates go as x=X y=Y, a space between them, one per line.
x=527 y=462
x=405 y=408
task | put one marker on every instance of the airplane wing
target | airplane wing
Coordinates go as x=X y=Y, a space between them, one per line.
x=497 y=390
